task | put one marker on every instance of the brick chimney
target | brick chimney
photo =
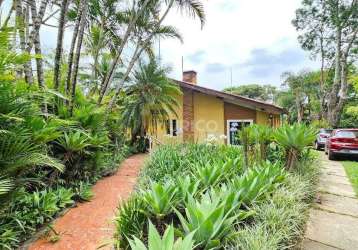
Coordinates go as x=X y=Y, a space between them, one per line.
x=189 y=76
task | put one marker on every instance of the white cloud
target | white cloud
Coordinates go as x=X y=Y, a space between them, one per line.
x=254 y=38
x=233 y=37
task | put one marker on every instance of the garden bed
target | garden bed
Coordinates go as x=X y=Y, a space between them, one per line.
x=204 y=195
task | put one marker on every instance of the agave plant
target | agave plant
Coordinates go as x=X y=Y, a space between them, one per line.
x=155 y=242
x=294 y=139
x=130 y=221
x=187 y=186
x=208 y=219
x=209 y=175
x=160 y=198
x=258 y=182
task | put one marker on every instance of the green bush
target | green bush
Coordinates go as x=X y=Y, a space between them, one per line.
x=130 y=221
x=155 y=242
x=217 y=201
x=28 y=211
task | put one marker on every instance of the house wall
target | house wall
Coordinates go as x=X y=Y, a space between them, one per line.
x=208 y=117
x=200 y=115
x=234 y=112
x=161 y=134
x=262 y=118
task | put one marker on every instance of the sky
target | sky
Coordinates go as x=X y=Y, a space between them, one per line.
x=253 y=39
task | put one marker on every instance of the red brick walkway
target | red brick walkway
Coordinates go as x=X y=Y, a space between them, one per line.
x=91 y=224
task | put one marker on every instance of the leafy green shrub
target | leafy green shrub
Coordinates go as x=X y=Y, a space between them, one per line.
x=130 y=221
x=187 y=186
x=258 y=182
x=208 y=220
x=83 y=192
x=155 y=242
x=209 y=174
x=160 y=198
x=294 y=139
x=280 y=220
x=216 y=199
x=28 y=211
x=174 y=160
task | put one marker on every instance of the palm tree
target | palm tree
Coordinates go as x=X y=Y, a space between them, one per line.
x=83 y=21
x=59 y=46
x=193 y=8
x=147 y=29
x=96 y=41
x=150 y=100
x=71 y=52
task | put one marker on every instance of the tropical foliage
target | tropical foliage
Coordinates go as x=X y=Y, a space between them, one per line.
x=207 y=193
x=150 y=99
x=64 y=117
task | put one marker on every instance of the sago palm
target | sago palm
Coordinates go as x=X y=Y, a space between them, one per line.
x=150 y=100
x=294 y=139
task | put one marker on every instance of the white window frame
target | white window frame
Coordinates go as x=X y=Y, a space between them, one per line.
x=171 y=127
x=251 y=121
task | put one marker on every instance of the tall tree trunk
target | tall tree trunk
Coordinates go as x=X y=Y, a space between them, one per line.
x=322 y=81
x=299 y=108
x=340 y=85
x=59 y=46
x=138 y=51
x=117 y=58
x=70 y=55
x=33 y=35
x=19 y=24
x=37 y=46
x=337 y=112
x=84 y=6
x=38 y=21
x=333 y=96
x=336 y=115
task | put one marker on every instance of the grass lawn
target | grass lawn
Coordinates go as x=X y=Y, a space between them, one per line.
x=351 y=168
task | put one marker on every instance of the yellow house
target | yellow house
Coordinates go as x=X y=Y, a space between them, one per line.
x=206 y=114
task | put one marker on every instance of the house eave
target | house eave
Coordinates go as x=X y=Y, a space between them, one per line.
x=235 y=99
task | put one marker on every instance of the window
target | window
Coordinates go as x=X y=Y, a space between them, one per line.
x=174 y=127
x=326 y=131
x=233 y=127
x=171 y=127
x=347 y=134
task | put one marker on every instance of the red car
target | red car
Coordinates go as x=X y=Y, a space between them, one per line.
x=342 y=142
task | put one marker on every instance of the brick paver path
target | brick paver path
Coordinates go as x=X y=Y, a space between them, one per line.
x=90 y=225
x=333 y=222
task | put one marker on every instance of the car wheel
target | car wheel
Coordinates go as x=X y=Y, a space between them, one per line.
x=331 y=155
x=316 y=145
